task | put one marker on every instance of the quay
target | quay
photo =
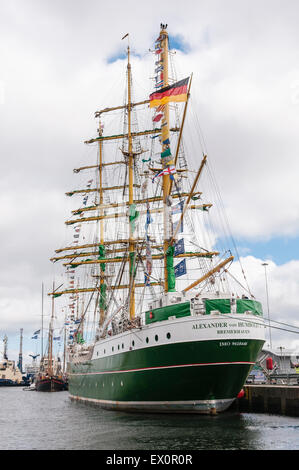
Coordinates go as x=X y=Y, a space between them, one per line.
x=279 y=399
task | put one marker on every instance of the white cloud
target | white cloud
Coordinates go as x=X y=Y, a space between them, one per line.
x=283 y=292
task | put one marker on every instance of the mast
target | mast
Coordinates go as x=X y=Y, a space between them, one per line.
x=20 y=363
x=102 y=249
x=64 y=350
x=165 y=137
x=42 y=335
x=50 y=351
x=5 y=339
x=131 y=197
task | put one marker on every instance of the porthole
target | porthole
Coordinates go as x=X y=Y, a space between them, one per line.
x=147 y=340
x=104 y=351
x=168 y=336
x=156 y=337
x=118 y=346
x=133 y=343
x=112 y=348
x=121 y=383
x=122 y=345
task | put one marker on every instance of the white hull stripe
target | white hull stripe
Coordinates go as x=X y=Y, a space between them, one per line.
x=163 y=367
x=172 y=406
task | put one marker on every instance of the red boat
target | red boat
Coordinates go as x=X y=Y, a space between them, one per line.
x=46 y=383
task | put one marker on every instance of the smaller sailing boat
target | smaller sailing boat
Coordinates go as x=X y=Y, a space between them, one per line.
x=50 y=376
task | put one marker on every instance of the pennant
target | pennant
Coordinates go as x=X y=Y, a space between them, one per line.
x=170 y=170
x=167 y=171
x=148 y=253
x=37 y=332
x=203 y=208
x=168 y=160
x=133 y=215
x=56 y=338
x=147 y=279
x=34 y=337
x=172 y=93
x=158 y=51
x=149 y=219
x=166 y=142
x=156 y=176
x=179 y=247
x=180 y=269
x=158 y=117
x=166 y=153
x=149 y=264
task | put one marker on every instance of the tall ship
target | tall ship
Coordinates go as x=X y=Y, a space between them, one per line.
x=158 y=320
x=50 y=376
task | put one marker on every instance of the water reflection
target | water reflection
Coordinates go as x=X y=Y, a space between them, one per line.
x=51 y=421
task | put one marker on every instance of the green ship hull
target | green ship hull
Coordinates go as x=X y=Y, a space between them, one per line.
x=189 y=376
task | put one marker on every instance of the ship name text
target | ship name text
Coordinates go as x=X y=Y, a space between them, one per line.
x=227 y=328
x=199 y=326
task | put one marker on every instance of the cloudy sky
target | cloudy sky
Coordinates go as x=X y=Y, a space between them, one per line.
x=59 y=61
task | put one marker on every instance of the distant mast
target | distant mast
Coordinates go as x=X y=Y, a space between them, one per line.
x=5 y=339
x=50 y=340
x=20 y=363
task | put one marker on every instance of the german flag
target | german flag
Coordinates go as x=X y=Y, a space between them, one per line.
x=176 y=92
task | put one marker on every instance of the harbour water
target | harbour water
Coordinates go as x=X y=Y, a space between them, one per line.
x=51 y=421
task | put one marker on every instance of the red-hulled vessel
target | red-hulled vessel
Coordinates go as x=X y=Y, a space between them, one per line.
x=50 y=377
